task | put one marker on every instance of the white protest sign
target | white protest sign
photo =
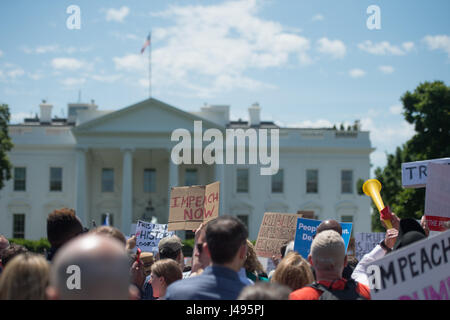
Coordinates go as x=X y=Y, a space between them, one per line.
x=437 y=196
x=149 y=234
x=366 y=241
x=414 y=174
x=420 y=271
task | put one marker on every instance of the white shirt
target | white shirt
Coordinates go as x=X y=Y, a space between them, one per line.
x=359 y=274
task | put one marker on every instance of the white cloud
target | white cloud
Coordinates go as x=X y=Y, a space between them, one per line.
x=396 y=109
x=384 y=48
x=67 y=63
x=72 y=82
x=318 y=17
x=356 y=73
x=335 y=48
x=15 y=73
x=117 y=15
x=386 y=69
x=35 y=76
x=19 y=117
x=54 y=48
x=441 y=42
x=106 y=78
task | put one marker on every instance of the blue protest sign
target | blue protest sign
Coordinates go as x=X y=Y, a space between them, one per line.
x=306 y=229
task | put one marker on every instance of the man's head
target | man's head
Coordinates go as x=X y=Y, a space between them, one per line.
x=62 y=225
x=203 y=257
x=170 y=248
x=226 y=239
x=93 y=267
x=111 y=232
x=327 y=255
x=329 y=225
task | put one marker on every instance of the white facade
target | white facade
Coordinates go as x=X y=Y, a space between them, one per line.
x=136 y=138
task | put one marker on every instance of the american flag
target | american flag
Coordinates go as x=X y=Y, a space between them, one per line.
x=147 y=43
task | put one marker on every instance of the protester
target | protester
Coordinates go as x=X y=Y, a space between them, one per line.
x=293 y=271
x=25 y=278
x=102 y=266
x=328 y=258
x=10 y=252
x=163 y=273
x=4 y=243
x=226 y=244
x=253 y=268
x=265 y=291
x=62 y=226
x=171 y=248
x=111 y=232
x=147 y=262
x=200 y=258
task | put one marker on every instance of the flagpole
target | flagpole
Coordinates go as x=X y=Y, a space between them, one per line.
x=150 y=67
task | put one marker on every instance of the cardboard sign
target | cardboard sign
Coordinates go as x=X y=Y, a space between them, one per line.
x=149 y=234
x=414 y=174
x=190 y=206
x=420 y=271
x=275 y=230
x=366 y=241
x=305 y=231
x=437 y=196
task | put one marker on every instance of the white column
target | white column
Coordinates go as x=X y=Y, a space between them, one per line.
x=173 y=177
x=220 y=176
x=81 y=192
x=127 y=189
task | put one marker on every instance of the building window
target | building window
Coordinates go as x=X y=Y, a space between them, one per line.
x=20 y=179
x=244 y=219
x=277 y=182
x=149 y=180
x=242 y=180
x=312 y=181
x=111 y=219
x=346 y=181
x=55 y=179
x=190 y=177
x=107 y=180
x=19 y=226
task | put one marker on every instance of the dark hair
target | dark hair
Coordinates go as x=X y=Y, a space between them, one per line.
x=167 y=253
x=62 y=225
x=224 y=236
x=12 y=251
x=168 y=269
x=265 y=291
x=111 y=232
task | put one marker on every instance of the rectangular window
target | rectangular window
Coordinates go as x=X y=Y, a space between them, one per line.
x=55 y=179
x=277 y=182
x=19 y=226
x=20 y=179
x=312 y=181
x=244 y=219
x=242 y=180
x=149 y=180
x=190 y=177
x=107 y=180
x=346 y=181
x=111 y=219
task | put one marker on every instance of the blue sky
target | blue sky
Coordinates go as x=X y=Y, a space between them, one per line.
x=307 y=63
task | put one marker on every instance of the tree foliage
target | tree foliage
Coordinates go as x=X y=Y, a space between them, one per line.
x=5 y=145
x=428 y=108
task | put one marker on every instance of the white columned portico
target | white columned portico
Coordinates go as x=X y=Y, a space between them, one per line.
x=219 y=175
x=127 y=189
x=81 y=196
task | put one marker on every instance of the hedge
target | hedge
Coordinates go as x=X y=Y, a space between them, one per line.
x=38 y=246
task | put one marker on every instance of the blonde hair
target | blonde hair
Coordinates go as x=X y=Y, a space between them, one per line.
x=293 y=271
x=169 y=269
x=252 y=263
x=26 y=277
x=328 y=251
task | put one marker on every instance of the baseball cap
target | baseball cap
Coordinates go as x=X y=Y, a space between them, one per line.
x=173 y=243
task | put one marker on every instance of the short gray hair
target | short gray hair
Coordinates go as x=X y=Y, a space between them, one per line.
x=328 y=250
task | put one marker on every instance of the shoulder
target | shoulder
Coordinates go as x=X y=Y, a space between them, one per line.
x=363 y=290
x=305 y=293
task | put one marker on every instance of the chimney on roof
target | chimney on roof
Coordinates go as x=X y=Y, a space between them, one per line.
x=254 y=112
x=46 y=112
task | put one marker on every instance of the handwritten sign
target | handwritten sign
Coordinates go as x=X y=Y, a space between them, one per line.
x=148 y=235
x=306 y=230
x=420 y=271
x=437 y=196
x=190 y=206
x=275 y=230
x=414 y=174
x=366 y=241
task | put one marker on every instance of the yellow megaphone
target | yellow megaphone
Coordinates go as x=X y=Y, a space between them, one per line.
x=372 y=189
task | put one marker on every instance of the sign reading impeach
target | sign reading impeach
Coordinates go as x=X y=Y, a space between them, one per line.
x=190 y=206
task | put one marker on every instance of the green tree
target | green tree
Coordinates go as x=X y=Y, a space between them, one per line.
x=5 y=145
x=428 y=108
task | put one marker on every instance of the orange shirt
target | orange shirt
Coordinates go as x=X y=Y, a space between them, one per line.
x=308 y=293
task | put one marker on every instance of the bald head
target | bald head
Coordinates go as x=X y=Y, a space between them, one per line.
x=329 y=225
x=102 y=265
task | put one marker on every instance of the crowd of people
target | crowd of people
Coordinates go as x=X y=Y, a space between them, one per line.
x=101 y=264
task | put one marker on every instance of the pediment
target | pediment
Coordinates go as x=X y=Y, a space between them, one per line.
x=148 y=116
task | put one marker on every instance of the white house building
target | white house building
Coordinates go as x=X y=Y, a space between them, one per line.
x=118 y=163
